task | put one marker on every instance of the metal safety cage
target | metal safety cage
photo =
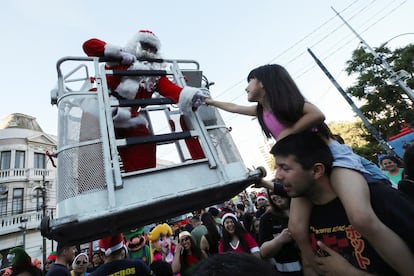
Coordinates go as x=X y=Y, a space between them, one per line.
x=95 y=196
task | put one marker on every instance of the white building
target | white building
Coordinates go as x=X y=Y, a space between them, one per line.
x=27 y=177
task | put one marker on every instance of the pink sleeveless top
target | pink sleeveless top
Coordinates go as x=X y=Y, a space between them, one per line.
x=274 y=126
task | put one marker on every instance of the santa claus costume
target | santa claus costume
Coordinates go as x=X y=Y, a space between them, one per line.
x=128 y=122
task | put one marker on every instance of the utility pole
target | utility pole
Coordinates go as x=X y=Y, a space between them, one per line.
x=367 y=124
x=44 y=215
x=396 y=77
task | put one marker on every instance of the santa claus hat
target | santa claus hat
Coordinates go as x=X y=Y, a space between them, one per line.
x=227 y=215
x=261 y=196
x=149 y=37
x=183 y=234
x=111 y=244
x=52 y=256
x=145 y=36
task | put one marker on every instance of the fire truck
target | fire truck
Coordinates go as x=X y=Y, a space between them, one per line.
x=95 y=197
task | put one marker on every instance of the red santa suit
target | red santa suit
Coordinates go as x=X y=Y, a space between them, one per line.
x=127 y=121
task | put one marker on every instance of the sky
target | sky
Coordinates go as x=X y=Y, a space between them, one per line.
x=227 y=38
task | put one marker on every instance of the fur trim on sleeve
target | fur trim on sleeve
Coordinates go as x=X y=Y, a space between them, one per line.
x=123 y=119
x=185 y=102
x=112 y=51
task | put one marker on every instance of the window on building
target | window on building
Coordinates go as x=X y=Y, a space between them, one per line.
x=19 y=159
x=39 y=161
x=17 y=203
x=5 y=160
x=37 y=199
x=3 y=203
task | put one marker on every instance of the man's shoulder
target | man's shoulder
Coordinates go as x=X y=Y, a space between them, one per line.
x=125 y=266
x=199 y=229
x=58 y=270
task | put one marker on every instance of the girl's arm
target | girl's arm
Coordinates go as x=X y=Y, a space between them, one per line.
x=273 y=247
x=265 y=184
x=231 y=107
x=204 y=246
x=176 y=265
x=311 y=116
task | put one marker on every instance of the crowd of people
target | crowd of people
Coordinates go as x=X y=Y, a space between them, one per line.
x=208 y=232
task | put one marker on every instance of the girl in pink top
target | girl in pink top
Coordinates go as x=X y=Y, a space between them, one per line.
x=281 y=110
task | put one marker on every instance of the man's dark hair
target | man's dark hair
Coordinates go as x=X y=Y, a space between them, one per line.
x=161 y=268
x=240 y=206
x=307 y=148
x=195 y=218
x=214 y=211
x=60 y=247
x=235 y=264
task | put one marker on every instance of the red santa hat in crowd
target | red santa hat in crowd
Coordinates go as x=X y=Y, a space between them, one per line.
x=261 y=196
x=142 y=36
x=228 y=215
x=111 y=244
x=52 y=257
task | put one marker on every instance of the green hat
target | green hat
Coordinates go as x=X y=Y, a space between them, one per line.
x=19 y=258
x=133 y=233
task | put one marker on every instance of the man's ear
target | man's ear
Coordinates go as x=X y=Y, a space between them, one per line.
x=318 y=170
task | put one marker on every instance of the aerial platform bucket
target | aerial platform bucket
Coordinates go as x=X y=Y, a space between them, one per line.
x=96 y=198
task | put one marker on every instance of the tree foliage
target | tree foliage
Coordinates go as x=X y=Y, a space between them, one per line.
x=385 y=104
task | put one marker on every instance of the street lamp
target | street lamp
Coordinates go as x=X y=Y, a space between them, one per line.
x=392 y=38
x=396 y=77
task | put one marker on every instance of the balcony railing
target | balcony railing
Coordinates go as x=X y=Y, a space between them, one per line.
x=26 y=174
x=13 y=223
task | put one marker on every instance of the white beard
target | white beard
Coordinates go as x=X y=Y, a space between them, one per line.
x=140 y=53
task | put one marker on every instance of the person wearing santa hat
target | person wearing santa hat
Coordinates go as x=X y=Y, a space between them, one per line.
x=262 y=204
x=128 y=121
x=235 y=238
x=115 y=260
x=50 y=260
x=187 y=255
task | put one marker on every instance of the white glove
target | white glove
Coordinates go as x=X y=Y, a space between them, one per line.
x=198 y=98
x=127 y=58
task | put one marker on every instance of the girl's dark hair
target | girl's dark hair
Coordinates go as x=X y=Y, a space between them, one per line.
x=195 y=251
x=393 y=159
x=284 y=97
x=274 y=208
x=210 y=223
x=238 y=231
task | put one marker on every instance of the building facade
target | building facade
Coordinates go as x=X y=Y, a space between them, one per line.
x=27 y=186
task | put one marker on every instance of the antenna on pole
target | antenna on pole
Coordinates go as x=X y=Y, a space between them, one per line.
x=396 y=77
x=388 y=148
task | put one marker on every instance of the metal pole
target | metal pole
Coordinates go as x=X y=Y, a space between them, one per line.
x=24 y=228
x=44 y=215
x=24 y=237
x=367 y=124
x=395 y=76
